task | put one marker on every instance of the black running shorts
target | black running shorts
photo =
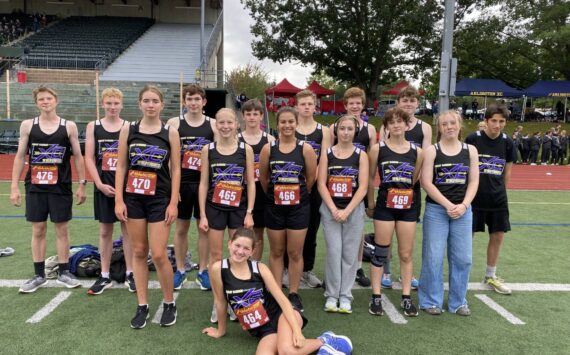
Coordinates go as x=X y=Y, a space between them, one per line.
x=294 y=217
x=496 y=221
x=153 y=209
x=41 y=204
x=188 y=205
x=104 y=208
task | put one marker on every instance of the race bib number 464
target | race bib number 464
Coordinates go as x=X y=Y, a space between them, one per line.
x=141 y=182
x=253 y=316
x=287 y=194
x=44 y=174
x=400 y=199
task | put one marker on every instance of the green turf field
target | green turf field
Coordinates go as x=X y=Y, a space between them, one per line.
x=535 y=252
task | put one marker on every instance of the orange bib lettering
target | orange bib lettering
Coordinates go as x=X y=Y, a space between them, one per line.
x=44 y=174
x=287 y=194
x=192 y=160
x=226 y=193
x=256 y=171
x=340 y=186
x=141 y=182
x=253 y=316
x=109 y=161
x=400 y=199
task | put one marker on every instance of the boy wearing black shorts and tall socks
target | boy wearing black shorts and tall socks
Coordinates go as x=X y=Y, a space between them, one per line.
x=490 y=206
x=49 y=140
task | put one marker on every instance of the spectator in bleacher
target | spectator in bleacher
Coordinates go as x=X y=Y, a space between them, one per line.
x=101 y=153
x=50 y=141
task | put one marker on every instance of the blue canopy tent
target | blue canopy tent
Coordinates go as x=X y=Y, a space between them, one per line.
x=550 y=88
x=485 y=88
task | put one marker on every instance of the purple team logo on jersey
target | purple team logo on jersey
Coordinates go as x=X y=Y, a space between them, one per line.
x=359 y=146
x=287 y=172
x=316 y=147
x=148 y=156
x=251 y=296
x=398 y=172
x=451 y=174
x=256 y=158
x=194 y=144
x=344 y=171
x=227 y=173
x=491 y=165
x=111 y=146
x=47 y=153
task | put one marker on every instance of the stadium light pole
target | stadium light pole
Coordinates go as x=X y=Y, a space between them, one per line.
x=448 y=65
x=202 y=49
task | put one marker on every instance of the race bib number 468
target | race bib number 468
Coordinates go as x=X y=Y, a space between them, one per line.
x=340 y=186
x=400 y=199
x=141 y=182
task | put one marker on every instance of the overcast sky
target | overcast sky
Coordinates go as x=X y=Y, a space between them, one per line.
x=237 y=48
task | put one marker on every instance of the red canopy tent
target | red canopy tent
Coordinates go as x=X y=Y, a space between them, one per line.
x=395 y=90
x=283 y=89
x=319 y=90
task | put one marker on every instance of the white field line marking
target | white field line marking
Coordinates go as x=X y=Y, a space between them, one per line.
x=50 y=307
x=539 y=203
x=158 y=313
x=392 y=312
x=511 y=318
x=154 y=285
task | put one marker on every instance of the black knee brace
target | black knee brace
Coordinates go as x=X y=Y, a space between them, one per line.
x=380 y=255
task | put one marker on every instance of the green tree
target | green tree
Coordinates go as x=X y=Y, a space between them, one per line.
x=358 y=42
x=250 y=79
x=516 y=41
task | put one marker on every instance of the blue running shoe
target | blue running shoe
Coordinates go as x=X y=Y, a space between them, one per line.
x=203 y=279
x=415 y=283
x=328 y=350
x=179 y=279
x=339 y=343
x=386 y=281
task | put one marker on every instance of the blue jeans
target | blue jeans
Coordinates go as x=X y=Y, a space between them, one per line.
x=441 y=231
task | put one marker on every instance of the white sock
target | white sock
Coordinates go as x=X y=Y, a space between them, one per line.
x=105 y=275
x=128 y=272
x=491 y=271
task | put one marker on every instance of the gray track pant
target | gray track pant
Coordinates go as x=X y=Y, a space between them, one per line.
x=343 y=242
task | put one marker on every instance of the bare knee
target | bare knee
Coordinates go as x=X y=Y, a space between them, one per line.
x=295 y=255
x=405 y=258
x=159 y=258
x=140 y=251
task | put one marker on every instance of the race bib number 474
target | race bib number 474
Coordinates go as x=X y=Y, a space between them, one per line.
x=192 y=160
x=141 y=182
x=109 y=161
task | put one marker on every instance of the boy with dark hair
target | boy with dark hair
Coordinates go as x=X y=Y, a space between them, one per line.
x=196 y=130
x=490 y=206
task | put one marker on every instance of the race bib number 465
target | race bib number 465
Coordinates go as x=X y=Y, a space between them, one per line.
x=227 y=194
x=44 y=174
x=287 y=194
x=141 y=182
x=400 y=199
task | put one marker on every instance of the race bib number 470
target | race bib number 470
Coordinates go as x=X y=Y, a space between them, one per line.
x=400 y=199
x=287 y=194
x=141 y=182
x=44 y=174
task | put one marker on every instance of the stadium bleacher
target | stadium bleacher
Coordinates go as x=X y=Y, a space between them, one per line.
x=82 y=42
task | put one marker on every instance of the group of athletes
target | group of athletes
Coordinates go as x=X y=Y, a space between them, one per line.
x=149 y=174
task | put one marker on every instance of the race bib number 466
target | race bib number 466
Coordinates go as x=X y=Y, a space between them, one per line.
x=400 y=199
x=141 y=182
x=287 y=194
x=44 y=174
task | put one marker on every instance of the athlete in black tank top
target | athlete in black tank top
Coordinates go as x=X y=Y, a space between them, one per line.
x=451 y=174
x=224 y=170
x=192 y=139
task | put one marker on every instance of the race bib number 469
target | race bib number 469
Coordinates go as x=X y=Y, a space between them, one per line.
x=44 y=174
x=141 y=182
x=287 y=194
x=400 y=199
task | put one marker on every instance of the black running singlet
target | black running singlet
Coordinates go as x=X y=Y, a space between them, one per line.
x=106 y=152
x=227 y=178
x=192 y=139
x=287 y=183
x=256 y=151
x=416 y=134
x=314 y=139
x=451 y=174
x=396 y=176
x=342 y=177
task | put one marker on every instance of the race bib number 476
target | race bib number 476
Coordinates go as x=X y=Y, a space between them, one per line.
x=109 y=161
x=141 y=182
x=44 y=174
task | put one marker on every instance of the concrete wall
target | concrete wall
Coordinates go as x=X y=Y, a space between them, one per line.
x=168 y=11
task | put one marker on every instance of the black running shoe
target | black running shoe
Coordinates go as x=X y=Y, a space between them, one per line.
x=375 y=306
x=139 y=321
x=361 y=278
x=168 y=315
x=409 y=308
x=99 y=286
x=130 y=283
x=295 y=300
